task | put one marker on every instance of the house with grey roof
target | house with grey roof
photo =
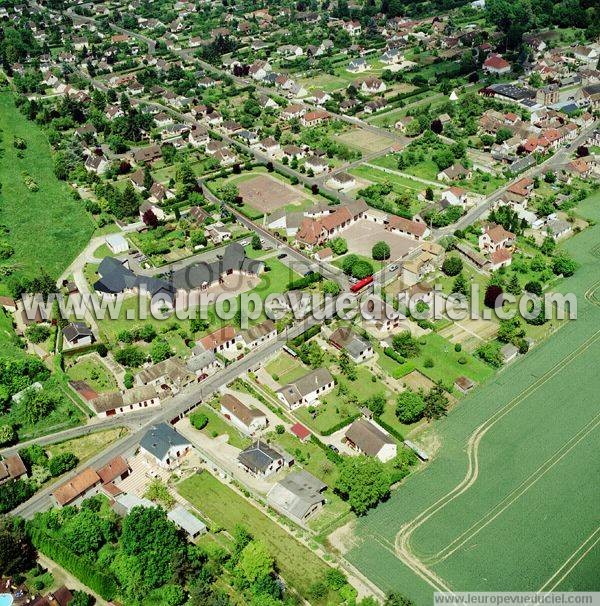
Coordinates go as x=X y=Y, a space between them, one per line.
x=345 y=339
x=201 y=276
x=307 y=389
x=258 y=335
x=188 y=522
x=260 y=459
x=171 y=374
x=161 y=445
x=77 y=334
x=116 y=278
x=202 y=364
x=116 y=403
x=298 y=496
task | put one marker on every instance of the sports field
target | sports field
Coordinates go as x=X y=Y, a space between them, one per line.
x=510 y=500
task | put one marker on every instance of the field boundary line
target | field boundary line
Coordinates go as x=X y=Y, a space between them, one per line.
x=520 y=490
x=403 y=548
x=575 y=553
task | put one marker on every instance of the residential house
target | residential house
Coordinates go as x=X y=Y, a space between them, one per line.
x=170 y=374
x=495 y=64
x=502 y=257
x=342 y=180
x=202 y=364
x=246 y=418
x=314 y=117
x=455 y=196
x=358 y=348
x=307 y=389
x=298 y=496
x=73 y=492
x=259 y=334
x=317 y=164
x=454 y=172
x=77 y=334
x=12 y=468
x=370 y=85
x=219 y=341
x=370 y=440
x=117 y=403
x=495 y=237
x=96 y=163
x=358 y=65
x=161 y=445
x=260 y=459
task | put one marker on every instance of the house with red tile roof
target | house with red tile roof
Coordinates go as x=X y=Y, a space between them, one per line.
x=495 y=64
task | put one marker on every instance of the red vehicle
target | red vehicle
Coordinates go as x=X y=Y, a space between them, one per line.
x=361 y=284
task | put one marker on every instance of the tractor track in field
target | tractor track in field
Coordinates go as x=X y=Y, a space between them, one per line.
x=403 y=546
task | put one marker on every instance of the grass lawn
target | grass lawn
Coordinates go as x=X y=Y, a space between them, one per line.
x=297 y=564
x=217 y=426
x=64 y=416
x=47 y=228
x=94 y=373
x=8 y=338
x=446 y=367
x=336 y=407
x=87 y=446
x=284 y=368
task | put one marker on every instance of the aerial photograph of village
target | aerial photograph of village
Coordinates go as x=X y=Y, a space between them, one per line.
x=299 y=302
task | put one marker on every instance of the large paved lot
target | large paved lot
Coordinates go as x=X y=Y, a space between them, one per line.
x=267 y=194
x=515 y=474
x=364 y=233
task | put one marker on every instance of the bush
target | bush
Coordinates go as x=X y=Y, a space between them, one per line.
x=390 y=353
x=304 y=282
x=452 y=265
x=458 y=347
x=62 y=463
x=199 y=420
x=428 y=363
x=462 y=360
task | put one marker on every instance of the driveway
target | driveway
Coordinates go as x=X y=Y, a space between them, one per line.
x=224 y=455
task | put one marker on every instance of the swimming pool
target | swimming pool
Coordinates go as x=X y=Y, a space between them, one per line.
x=5 y=599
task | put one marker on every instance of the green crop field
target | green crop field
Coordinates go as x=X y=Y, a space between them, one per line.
x=509 y=501
x=47 y=228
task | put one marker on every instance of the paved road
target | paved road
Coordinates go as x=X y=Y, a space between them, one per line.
x=553 y=163
x=173 y=409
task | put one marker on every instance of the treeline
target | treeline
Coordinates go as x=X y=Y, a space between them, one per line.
x=87 y=572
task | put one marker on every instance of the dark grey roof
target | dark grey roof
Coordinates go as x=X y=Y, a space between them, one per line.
x=160 y=438
x=76 y=329
x=258 y=456
x=115 y=278
x=234 y=259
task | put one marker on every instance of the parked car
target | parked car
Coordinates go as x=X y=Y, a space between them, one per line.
x=393 y=267
x=282 y=256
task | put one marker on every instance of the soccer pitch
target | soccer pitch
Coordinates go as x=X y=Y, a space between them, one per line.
x=510 y=501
